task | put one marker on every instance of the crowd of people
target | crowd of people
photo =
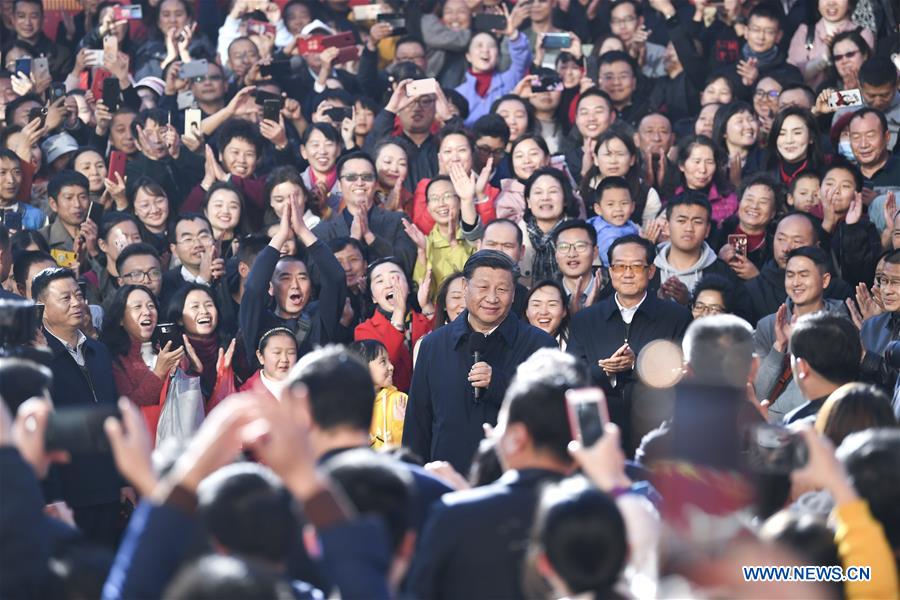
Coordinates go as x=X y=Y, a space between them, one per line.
x=298 y=298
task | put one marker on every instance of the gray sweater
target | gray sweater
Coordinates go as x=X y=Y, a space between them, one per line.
x=772 y=361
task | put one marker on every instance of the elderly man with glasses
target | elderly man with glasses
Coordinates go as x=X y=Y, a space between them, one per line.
x=609 y=335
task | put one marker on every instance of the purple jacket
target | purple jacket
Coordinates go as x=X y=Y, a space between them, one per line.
x=501 y=84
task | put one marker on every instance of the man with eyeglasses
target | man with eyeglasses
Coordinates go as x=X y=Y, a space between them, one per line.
x=626 y=21
x=610 y=334
x=806 y=277
x=878 y=331
x=576 y=251
x=191 y=241
x=138 y=264
x=209 y=90
x=618 y=78
x=761 y=55
x=380 y=230
x=491 y=135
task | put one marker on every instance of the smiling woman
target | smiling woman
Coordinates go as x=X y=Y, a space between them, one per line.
x=193 y=308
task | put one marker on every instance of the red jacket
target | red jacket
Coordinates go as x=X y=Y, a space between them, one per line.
x=378 y=327
x=423 y=220
x=255 y=384
x=135 y=380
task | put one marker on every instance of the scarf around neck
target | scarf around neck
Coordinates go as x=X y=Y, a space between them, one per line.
x=763 y=59
x=482 y=82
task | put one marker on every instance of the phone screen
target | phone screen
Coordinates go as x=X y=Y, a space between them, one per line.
x=79 y=429
x=587 y=414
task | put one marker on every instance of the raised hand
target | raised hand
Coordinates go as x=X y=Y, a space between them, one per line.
x=225 y=357
x=748 y=71
x=167 y=360
x=783 y=328
x=424 y=293
x=415 y=234
x=604 y=462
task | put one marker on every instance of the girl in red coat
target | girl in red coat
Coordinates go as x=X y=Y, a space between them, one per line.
x=277 y=353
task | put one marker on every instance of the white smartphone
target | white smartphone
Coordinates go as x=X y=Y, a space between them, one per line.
x=420 y=87
x=845 y=98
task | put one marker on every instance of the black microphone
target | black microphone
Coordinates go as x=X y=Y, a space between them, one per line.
x=477 y=346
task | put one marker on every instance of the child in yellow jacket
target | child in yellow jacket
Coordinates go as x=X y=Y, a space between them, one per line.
x=390 y=403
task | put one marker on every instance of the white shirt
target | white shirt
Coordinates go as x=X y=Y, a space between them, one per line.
x=273 y=386
x=148 y=355
x=628 y=313
x=76 y=352
x=190 y=277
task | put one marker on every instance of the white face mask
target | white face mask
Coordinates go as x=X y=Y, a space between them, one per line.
x=846 y=151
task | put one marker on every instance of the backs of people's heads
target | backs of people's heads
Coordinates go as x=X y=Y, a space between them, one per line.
x=376 y=485
x=111 y=219
x=491 y=125
x=64 y=179
x=582 y=534
x=172 y=232
x=570 y=200
x=804 y=534
x=43 y=280
x=366 y=350
x=22 y=379
x=719 y=350
x=26 y=238
x=536 y=398
x=339 y=388
x=157 y=115
x=829 y=344
x=581 y=224
x=240 y=129
x=854 y=407
x=633 y=238
x=227 y=578
x=841 y=163
x=80 y=571
x=486 y=467
x=717 y=283
x=139 y=249
x=764 y=179
x=354 y=155
x=23 y=263
x=689 y=198
x=878 y=71
x=871 y=458
x=492 y=259
x=247 y=509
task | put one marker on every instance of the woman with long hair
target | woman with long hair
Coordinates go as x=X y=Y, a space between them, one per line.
x=702 y=170
x=736 y=130
x=527 y=154
x=794 y=144
x=546 y=308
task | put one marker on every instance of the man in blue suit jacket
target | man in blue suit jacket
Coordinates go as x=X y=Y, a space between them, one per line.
x=609 y=335
x=89 y=483
x=450 y=398
x=474 y=542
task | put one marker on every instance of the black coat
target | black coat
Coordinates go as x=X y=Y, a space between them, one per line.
x=88 y=479
x=177 y=176
x=474 y=542
x=596 y=332
x=443 y=420
x=390 y=236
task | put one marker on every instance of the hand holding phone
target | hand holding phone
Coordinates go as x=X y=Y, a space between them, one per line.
x=79 y=429
x=588 y=414
x=168 y=332
x=421 y=87
x=775 y=449
x=738 y=241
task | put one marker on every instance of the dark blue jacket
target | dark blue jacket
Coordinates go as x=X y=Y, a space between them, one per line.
x=88 y=479
x=443 y=420
x=474 y=541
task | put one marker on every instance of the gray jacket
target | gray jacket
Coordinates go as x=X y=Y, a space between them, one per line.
x=771 y=363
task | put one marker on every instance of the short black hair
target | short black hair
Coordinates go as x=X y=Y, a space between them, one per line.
x=536 y=398
x=829 y=344
x=845 y=165
x=520 y=237
x=892 y=257
x=436 y=179
x=377 y=486
x=866 y=111
x=614 y=56
x=217 y=577
x=492 y=259
x=240 y=129
x=768 y=10
x=10 y=155
x=330 y=133
x=690 y=198
x=453 y=129
x=43 y=280
x=366 y=350
x=575 y=224
x=813 y=253
x=341 y=392
x=491 y=125
x=139 y=249
x=111 y=219
x=765 y=179
x=878 y=71
x=249 y=247
x=187 y=216
x=633 y=238
x=340 y=243
x=248 y=510
x=159 y=116
x=22 y=379
x=637 y=6
x=66 y=178
x=797 y=85
x=393 y=260
x=354 y=155
x=23 y=262
x=715 y=283
x=612 y=183
x=19 y=101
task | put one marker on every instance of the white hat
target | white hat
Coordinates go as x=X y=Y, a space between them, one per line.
x=152 y=83
x=316 y=25
x=57 y=145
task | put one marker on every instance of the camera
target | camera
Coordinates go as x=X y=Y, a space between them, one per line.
x=19 y=321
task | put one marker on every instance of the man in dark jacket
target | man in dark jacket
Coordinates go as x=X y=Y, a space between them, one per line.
x=162 y=158
x=380 y=230
x=452 y=394
x=765 y=293
x=81 y=369
x=609 y=335
x=286 y=279
x=474 y=542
